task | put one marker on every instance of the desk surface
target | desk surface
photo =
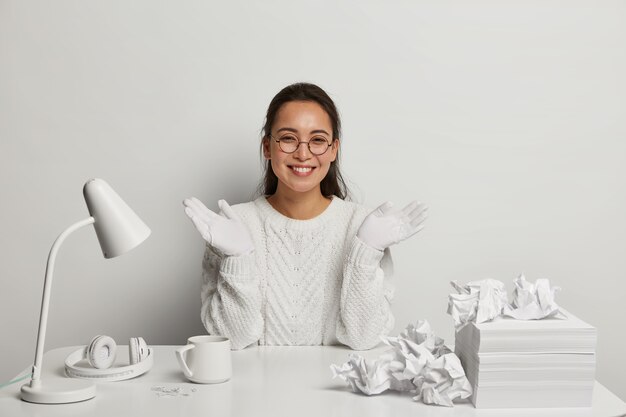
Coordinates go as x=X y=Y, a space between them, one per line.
x=267 y=381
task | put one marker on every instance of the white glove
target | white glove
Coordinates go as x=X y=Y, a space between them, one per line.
x=384 y=226
x=225 y=231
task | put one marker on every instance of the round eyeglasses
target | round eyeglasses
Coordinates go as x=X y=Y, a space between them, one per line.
x=289 y=144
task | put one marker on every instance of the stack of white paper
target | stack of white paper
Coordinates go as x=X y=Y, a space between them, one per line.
x=529 y=363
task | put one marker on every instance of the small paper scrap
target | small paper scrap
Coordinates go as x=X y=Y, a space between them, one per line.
x=481 y=301
x=171 y=391
x=418 y=362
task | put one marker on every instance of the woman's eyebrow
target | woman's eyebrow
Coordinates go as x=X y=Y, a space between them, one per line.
x=319 y=131
x=291 y=129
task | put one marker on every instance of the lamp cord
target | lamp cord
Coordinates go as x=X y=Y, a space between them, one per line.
x=6 y=384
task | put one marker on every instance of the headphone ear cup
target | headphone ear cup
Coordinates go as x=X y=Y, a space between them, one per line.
x=137 y=350
x=101 y=352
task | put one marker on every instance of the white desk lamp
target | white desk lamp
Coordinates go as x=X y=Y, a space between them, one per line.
x=119 y=230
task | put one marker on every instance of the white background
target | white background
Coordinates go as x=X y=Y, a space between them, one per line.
x=507 y=118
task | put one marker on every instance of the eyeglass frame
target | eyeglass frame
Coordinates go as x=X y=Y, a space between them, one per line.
x=307 y=145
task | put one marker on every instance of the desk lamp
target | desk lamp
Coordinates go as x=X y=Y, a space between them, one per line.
x=119 y=230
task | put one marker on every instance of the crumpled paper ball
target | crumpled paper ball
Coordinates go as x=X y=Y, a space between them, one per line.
x=418 y=362
x=481 y=301
x=442 y=381
x=532 y=301
x=478 y=301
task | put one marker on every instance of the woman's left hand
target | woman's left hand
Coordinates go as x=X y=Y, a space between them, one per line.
x=385 y=226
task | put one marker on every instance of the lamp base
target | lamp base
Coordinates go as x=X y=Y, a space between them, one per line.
x=61 y=392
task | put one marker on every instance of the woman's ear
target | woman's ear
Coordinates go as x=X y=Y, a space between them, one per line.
x=266 y=148
x=334 y=148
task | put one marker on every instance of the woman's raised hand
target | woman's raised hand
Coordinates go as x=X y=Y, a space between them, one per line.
x=385 y=226
x=225 y=231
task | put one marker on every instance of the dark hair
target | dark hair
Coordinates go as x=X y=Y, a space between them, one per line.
x=333 y=183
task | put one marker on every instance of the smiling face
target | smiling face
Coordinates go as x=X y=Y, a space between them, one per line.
x=300 y=171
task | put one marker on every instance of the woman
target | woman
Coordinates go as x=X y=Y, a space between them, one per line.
x=299 y=265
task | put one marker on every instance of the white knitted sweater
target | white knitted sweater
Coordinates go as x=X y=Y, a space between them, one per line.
x=308 y=282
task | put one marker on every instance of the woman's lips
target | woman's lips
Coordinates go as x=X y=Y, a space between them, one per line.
x=301 y=171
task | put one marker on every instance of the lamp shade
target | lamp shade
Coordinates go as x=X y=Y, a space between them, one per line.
x=118 y=227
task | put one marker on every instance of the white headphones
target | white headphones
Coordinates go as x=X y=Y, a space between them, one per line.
x=100 y=354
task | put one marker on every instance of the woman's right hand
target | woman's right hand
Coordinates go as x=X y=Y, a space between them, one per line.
x=226 y=232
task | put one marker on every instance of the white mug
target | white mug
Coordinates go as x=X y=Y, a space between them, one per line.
x=206 y=359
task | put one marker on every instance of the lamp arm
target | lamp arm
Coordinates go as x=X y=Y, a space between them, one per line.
x=43 y=317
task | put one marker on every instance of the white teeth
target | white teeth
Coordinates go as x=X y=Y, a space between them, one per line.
x=299 y=169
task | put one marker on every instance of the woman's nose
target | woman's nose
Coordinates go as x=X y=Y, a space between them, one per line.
x=303 y=152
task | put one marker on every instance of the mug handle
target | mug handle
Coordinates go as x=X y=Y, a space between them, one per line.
x=181 y=359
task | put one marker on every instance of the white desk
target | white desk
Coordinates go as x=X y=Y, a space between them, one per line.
x=267 y=381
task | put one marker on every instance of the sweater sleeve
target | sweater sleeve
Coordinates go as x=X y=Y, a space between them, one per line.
x=366 y=294
x=231 y=300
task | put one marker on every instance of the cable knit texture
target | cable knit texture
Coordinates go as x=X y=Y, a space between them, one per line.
x=308 y=282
